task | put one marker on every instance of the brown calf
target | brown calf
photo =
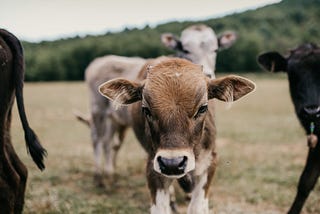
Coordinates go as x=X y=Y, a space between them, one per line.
x=173 y=118
x=198 y=43
x=13 y=173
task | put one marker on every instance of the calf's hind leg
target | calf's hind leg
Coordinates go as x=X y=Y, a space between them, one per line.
x=108 y=146
x=117 y=143
x=96 y=131
x=307 y=180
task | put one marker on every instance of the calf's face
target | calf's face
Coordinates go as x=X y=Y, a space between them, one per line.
x=303 y=69
x=199 y=44
x=174 y=105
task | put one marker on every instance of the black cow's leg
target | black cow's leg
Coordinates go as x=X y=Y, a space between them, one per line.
x=307 y=180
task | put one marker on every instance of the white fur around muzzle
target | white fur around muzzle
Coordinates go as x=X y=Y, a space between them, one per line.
x=168 y=153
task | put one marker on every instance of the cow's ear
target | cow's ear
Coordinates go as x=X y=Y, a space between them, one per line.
x=272 y=61
x=121 y=91
x=229 y=88
x=227 y=39
x=171 y=41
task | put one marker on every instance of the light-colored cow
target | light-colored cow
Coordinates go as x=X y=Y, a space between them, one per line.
x=197 y=43
x=173 y=117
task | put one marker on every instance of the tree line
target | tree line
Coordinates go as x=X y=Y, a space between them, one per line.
x=279 y=27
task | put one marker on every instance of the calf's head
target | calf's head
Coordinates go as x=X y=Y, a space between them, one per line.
x=174 y=105
x=303 y=68
x=199 y=44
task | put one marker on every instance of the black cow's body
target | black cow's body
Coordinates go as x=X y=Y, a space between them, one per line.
x=303 y=69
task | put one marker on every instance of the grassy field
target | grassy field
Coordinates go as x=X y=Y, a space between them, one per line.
x=261 y=148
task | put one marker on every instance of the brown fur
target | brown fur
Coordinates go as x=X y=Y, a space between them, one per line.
x=171 y=99
x=197 y=43
x=165 y=117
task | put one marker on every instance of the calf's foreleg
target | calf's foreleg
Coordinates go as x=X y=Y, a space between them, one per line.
x=199 y=203
x=159 y=190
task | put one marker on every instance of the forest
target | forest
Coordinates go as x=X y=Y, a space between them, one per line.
x=280 y=27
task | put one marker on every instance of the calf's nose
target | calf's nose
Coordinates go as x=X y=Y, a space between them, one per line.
x=172 y=166
x=312 y=111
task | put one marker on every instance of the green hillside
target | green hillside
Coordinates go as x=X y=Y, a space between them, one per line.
x=275 y=27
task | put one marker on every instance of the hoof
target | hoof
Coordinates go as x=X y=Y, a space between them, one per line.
x=98 y=181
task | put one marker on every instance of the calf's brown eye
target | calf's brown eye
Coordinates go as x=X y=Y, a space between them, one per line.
x=201 y=110
x=146 y=111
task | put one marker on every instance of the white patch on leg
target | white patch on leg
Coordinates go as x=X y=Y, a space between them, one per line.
x=109 y=161
x=116 y=143
x=172 y=193
x=199 y=203
x=109 y=168
x=162 y=205
x=97 y=157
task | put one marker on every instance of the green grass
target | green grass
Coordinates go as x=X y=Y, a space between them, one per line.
x=261 y=149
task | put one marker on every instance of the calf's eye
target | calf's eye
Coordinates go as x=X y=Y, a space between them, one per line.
x=185 y=51
x=201 y=110
x=146 y=111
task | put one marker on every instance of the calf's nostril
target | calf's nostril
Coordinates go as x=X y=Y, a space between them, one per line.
x=161 y=163
x=182 y=165
x=171 y=166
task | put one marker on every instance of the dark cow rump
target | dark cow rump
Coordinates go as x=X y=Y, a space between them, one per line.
x=13 y=173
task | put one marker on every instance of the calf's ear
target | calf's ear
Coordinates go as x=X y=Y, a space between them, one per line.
x=272 y=61
x=227 y=39
x=121 y=91
x=229 y=88
x=170 y=41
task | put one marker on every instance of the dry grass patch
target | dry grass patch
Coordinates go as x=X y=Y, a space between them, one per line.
x=261 y=147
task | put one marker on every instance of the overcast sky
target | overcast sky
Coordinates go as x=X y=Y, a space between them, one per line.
x=36 y=20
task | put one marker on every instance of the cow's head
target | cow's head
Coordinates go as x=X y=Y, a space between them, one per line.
x=303 y=68
x=199 y=44
x=174 y=105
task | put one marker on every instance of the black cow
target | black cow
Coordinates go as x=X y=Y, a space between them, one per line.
x=13 y=173
x=303 y=68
